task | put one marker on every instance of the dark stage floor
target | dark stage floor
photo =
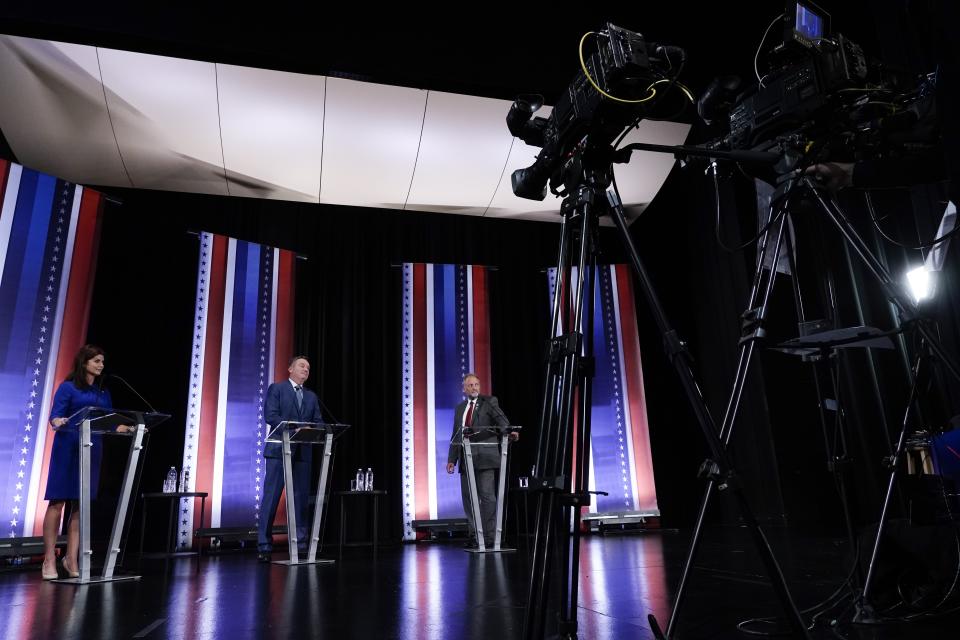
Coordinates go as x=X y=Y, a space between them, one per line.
x=436 y=591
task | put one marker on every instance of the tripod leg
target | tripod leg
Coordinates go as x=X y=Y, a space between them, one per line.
x=759 y=317
x=569 y=538
x=733 y=404
x=680 y=360
x=538 y=586
x=556 y=322
x=865 y=612
x=554 y=459
x=835 y=460
x=571 y=363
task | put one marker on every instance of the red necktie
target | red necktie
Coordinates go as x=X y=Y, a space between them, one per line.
x=469 y=421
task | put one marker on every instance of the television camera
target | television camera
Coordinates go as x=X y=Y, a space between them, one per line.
x=623 y=81
x=821 y=99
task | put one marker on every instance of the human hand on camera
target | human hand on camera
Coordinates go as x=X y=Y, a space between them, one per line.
x=58 y=422
x=449 y=467
x=832 y=175
x=514 y=436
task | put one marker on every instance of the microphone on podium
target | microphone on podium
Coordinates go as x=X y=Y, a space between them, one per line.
x=114 y=376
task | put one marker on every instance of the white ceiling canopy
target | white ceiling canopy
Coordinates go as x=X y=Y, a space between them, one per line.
x=370 y=151
x=165 y=118
x=285 y=150
x=117 y=118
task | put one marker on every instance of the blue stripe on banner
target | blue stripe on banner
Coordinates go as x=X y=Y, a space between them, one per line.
x=609 y=434
x=21 y=274
x=28 y=303
x=448 y=391
x=239 y=460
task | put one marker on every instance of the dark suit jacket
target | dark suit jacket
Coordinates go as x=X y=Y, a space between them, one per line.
x=487 y=413
x=282 y=406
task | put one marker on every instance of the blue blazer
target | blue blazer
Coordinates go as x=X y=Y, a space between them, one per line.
x=282 y=406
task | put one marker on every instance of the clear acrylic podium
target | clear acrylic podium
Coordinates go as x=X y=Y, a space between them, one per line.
x=105 y=421
x=288 y=433
x=503 y=442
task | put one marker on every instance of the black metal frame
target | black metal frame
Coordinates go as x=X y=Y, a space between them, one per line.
x=559 y=480
x=753 y=331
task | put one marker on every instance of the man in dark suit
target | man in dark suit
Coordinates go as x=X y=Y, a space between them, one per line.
x=287 y=401
x=472 y=415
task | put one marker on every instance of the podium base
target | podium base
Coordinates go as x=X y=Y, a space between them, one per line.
x=291 y=563
x=500 y=550
x=95 y=580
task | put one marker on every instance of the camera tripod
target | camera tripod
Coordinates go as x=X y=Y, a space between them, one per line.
x=754 y=331
x=559 y=478
x=837 y=452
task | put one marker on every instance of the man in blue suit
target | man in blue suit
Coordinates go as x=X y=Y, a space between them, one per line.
x=287 y=401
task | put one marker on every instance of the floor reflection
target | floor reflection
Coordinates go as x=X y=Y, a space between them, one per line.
x=422 y=588
x=419 y=592
x=622 y=580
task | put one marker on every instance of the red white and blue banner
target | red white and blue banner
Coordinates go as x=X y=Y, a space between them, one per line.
x=446 y=334
x=242 y=339
x=620 y=459
x=48 y=245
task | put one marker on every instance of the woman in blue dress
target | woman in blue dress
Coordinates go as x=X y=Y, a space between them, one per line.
x=83 y=388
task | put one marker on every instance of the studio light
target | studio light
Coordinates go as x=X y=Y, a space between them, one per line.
x=921 y=283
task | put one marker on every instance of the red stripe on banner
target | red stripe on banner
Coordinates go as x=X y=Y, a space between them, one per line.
x=210 y=397
x=481 y=327
x=421 y=481
x=76 y=315
x=284 y=344
x=283 y=348
x=639 y=429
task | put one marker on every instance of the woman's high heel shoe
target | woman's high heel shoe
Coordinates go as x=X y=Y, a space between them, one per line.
x=71 y=573
x=49 y=575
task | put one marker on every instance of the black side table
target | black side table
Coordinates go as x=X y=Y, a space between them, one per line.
x=375 y=494
x=174 y=499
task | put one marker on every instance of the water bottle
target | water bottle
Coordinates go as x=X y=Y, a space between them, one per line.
x=368 y=480
x=361 y=482
x=184 y=480
x=170 y=484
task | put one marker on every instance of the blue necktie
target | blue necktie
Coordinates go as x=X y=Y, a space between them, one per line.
x=299 y=390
